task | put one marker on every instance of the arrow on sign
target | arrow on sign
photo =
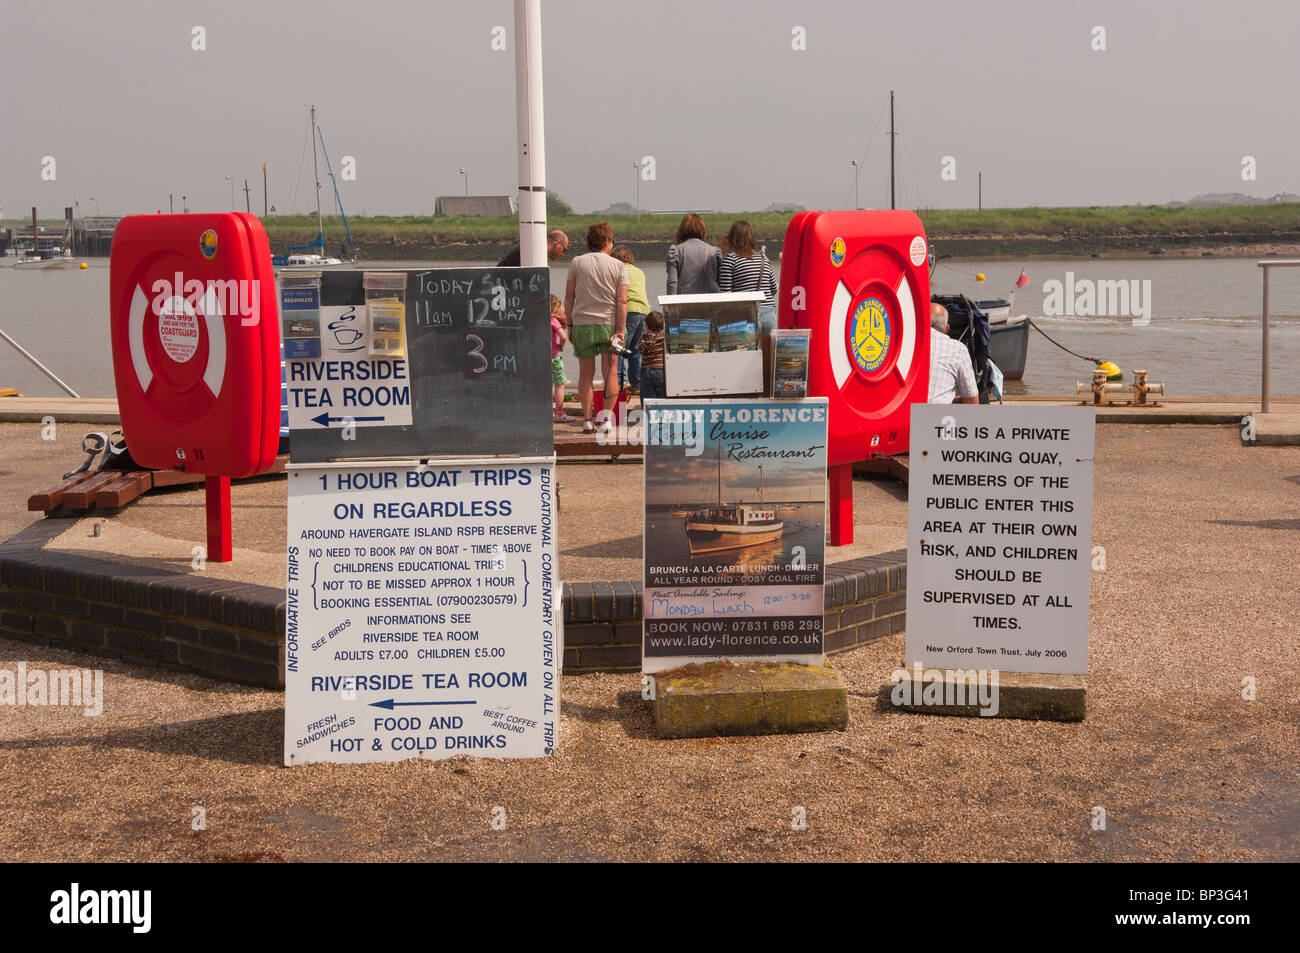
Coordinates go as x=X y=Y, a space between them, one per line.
x=325 y=419
x=390 y=704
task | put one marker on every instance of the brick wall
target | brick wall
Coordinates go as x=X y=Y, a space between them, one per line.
x=173 y=620
x=865 y=599
x=235 y=630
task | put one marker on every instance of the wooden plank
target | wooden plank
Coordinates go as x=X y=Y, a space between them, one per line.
x=900 y=467
x=175 y=478
x=82 y=496
x=590 y=447
x=895 y=466
x=50 y=499
x=113 y=488
x=122 y=491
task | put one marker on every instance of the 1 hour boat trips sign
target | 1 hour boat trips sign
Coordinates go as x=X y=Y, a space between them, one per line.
x=422 y=611
x=735 y=513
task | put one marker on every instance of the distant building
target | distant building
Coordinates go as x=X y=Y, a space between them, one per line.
x=627 y=208
x=475 y=206
x=1222 y=199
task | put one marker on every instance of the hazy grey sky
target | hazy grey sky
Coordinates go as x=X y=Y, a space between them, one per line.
x=734 y=117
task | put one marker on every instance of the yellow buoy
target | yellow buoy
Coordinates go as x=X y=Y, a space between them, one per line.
x=83 y=266
x=1113 y=373
x=979 y=276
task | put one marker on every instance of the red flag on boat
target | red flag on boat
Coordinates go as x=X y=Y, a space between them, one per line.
x=1022 y=280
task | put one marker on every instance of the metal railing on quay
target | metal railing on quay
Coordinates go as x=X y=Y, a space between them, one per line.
x=1263 y=383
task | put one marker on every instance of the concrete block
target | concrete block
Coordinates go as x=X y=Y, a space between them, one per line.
x=1032 y=696
x=1277 y=430
x=748 y=698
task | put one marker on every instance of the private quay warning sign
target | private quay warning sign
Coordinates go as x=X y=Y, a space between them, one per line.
x=422 y=612
x=999 y=551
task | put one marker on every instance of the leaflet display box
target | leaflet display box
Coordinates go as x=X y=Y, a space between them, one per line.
x=385 y=310
x=300 y=314
x=789 y=363
x=712 y=346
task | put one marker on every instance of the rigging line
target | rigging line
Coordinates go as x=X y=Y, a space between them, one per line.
x=302 y=154
x=968 y=274
x=862 y=160
x=916 y=182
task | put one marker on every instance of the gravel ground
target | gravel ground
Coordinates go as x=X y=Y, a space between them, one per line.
x=1199 y=592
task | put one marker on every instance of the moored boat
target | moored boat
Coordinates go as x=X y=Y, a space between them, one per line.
x=51 y=256
x=46 y=258
x=306 y=258
x=729 y=526
x=1008 y=338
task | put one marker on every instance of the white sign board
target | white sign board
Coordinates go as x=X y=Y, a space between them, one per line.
x=421 y=611
x=345 y=385
x=999 y=537
x=712 y=344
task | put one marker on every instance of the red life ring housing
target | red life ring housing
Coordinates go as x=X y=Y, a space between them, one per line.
x=860 y=281
x=195 y=342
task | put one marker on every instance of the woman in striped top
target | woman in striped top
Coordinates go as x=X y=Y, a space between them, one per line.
x=744 y=269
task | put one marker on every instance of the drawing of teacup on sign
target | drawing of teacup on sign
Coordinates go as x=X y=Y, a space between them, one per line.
x=347 y=335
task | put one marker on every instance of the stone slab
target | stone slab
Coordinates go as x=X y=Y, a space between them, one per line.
x=1277 y=429
x=748 y=698
x=82 y=410
x=1028 y=695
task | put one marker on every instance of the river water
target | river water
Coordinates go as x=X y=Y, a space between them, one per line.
x=1203 y=336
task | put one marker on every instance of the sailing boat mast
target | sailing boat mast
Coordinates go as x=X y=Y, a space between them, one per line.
x=760 y=486
x=315 y=168
x=719 y=468
x=892 y=134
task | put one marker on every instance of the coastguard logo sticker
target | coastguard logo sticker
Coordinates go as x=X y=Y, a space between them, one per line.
x=837 y=252
x=869 y=335
x=918 y=251
x=208 y=244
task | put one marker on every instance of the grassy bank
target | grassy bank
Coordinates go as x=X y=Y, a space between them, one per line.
x=992 y=232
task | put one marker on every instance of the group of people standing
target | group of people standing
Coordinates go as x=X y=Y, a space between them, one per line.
x=606 y=311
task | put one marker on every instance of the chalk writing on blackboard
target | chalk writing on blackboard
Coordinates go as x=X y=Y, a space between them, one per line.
x=476 y=352
x=478 y=344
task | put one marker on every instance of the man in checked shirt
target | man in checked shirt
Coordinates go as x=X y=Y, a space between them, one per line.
x=952 y=377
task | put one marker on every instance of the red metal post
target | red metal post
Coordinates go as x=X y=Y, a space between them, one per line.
x=218 y=505
x=841 y=483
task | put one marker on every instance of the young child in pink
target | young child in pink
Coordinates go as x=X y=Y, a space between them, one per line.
x=559 y=336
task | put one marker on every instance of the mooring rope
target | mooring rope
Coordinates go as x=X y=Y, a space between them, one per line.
x=1085 y=357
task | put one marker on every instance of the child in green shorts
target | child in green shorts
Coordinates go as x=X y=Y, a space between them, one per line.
x=559 y=335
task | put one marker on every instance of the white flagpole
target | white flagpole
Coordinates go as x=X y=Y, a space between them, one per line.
x=530 y=133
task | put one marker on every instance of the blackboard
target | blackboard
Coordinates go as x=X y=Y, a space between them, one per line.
x=478 y=343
